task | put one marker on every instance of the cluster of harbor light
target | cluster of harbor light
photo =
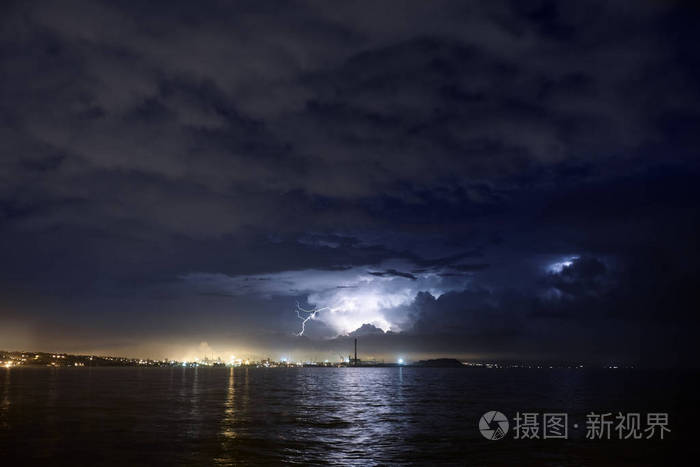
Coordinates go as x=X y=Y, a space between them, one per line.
x=234 y=361
x=10 y=359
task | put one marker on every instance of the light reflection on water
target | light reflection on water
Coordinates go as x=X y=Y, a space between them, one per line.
x=229 y=419
x=356 y=416
x=5 y=404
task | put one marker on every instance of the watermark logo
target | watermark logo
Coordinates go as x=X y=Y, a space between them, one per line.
x=493 y=425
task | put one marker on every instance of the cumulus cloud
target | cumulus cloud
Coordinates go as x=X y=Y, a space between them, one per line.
x=346 y=299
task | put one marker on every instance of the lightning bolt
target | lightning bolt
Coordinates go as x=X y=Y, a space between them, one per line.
x=310 y=314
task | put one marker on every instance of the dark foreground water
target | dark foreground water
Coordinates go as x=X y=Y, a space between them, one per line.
x=345 y=416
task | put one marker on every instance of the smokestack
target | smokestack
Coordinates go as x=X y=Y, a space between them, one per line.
x=356 y=351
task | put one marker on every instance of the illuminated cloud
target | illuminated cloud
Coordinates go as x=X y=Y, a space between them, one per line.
x=346 y=299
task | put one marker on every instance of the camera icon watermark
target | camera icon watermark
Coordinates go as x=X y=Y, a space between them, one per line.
x=493 y=425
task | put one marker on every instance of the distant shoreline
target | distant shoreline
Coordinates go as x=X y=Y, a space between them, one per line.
x=11 y=359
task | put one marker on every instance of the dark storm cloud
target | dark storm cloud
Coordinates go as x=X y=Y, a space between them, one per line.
x=393 y=272
x=421 y=115
x=469 y=267
x=146 y=142
x=582 y=276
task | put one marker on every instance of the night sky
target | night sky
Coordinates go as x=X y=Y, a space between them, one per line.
x=510 y=180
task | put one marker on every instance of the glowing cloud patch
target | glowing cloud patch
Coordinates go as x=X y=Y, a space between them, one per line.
x=558 y=267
